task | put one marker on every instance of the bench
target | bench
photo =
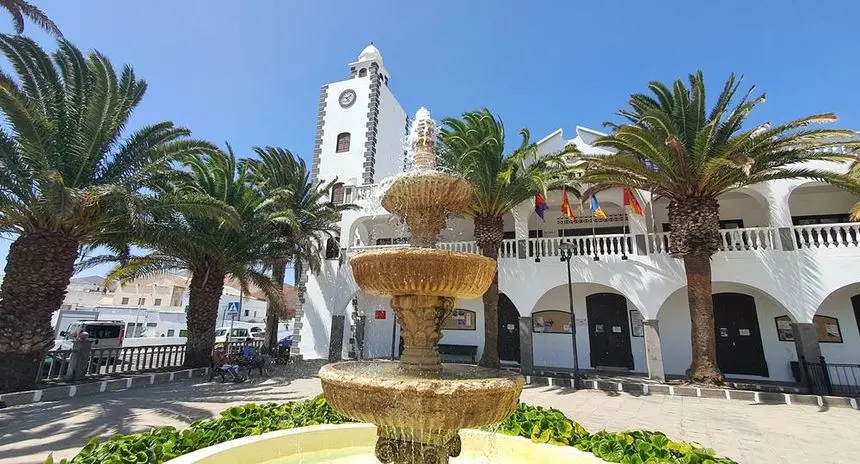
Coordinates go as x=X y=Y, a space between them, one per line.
x=455 y=353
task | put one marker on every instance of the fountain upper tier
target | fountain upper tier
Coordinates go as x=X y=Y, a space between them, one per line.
x=424 y=197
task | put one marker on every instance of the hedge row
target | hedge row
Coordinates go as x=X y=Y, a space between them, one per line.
x=538 y=424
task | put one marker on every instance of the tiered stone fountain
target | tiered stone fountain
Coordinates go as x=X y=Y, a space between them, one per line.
x=419 y=404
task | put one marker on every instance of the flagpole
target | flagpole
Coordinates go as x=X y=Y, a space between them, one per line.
x=593 y=235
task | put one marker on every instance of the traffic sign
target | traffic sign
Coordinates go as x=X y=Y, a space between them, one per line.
x=232 y=309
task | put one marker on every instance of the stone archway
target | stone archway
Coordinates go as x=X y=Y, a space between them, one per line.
x=778 y=352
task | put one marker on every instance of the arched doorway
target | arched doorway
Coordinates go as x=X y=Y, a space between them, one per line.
x=739 y=345
x=609 y=331
x=509 y=330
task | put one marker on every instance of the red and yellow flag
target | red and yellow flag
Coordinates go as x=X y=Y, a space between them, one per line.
x=631 y=203
x=565 y=205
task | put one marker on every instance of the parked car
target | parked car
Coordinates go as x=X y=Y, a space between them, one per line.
x=238 y=334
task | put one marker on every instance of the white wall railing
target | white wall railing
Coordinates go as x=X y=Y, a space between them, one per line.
x=843 y=235
x=751 y=238
x=731 y=240
x=587 y=245
x=826 y=236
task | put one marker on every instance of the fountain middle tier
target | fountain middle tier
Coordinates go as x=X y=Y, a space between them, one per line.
x=423 y=271
x=420 y=415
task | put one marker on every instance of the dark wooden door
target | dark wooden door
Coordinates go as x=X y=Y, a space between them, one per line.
x=509 y=330
x=608 y=331
x=739 y=347
x=855 y=302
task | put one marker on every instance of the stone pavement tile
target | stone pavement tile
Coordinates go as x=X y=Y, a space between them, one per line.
x=747 y=433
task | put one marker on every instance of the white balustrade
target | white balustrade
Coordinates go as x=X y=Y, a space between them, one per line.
x=586 y=245
x=508 y=249
x=658 y=243
x=843 y=235
x=746 y=239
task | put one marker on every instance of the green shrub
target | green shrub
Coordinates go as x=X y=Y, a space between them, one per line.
x=541 y=425
x=551 y=426
x=165 y=443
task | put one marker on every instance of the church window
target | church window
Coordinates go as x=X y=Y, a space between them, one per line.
x=362 y=72
x=342 y=142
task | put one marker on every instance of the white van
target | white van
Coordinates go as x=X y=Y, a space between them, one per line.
x=239 y=334
x=103 y=334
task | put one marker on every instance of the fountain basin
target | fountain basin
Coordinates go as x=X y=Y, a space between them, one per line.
x=353 y=443
x=456 y=397
x=423 y=271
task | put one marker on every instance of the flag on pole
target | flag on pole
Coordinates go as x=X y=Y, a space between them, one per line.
x=595 y=208
x=540 y=204
x=565 y=205
x=631 y=203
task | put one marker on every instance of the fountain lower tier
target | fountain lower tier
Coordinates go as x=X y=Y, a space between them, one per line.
x=418 y=417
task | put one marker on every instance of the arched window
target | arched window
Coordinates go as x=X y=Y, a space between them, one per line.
x=342 y=142
x=337 y=192
x=362 y=72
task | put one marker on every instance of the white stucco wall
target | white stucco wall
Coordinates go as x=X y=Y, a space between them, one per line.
x=391 y=131
x=349 y=165
x=555 y=350
x=838 y=305
x=674 y=322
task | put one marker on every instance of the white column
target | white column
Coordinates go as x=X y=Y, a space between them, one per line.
x=521 y=214
x=653 y=350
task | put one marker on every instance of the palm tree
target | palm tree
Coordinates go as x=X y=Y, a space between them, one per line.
x=67 y=175
x=20 y=9
x=303 y=214
x=473 y=147
x=673 y=147
x=211 y=248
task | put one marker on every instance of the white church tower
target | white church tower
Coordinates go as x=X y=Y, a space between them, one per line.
x=360 y=127
x=359 y=140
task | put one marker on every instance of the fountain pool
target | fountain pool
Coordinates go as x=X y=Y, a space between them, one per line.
x=354 y=444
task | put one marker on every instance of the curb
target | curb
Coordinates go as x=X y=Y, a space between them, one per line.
x=100 y=386
x=717 y=393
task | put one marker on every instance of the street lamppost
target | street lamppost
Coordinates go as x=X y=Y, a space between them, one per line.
x=566 y=254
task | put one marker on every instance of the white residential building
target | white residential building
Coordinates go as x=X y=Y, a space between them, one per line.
x=155 y=306
x=786 y=281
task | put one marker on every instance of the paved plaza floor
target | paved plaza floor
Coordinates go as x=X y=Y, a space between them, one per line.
x=748 y=433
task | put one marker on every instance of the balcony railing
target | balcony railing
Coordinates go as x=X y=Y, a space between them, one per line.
x=507 y=250
x=843 y=235
x=598 y=245
x=732 y=241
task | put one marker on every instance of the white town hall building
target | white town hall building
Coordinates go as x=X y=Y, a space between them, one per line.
x=786 y=280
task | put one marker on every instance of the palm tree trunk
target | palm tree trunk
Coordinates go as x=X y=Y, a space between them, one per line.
x=489 y=233
x=279 y=271
x=207 y=285
x=704 y=368
x=38 y=268
x=695 y=236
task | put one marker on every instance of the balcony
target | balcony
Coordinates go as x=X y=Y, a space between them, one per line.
x=732 y=241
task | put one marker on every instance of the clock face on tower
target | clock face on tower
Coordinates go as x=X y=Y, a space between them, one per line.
x=347 y=98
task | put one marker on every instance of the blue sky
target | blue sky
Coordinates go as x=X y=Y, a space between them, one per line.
x=251 y=76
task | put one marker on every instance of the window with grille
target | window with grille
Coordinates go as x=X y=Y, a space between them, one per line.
x=337 y=194
x=141 y=301
x=342 y=142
